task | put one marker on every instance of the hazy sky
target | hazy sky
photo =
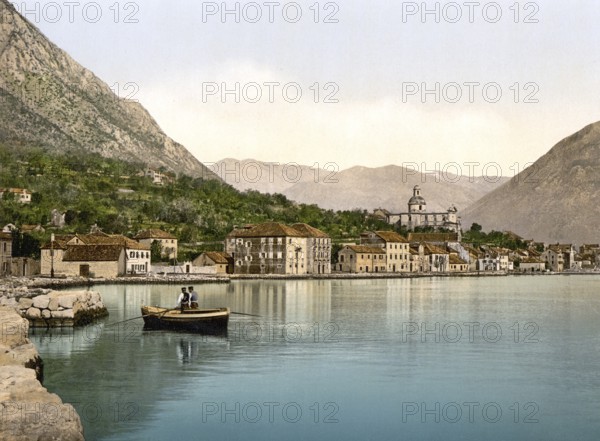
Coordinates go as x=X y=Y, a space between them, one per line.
x=375 y=61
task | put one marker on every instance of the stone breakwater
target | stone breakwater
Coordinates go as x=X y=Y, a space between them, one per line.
x=27 y=410
x=59 y=309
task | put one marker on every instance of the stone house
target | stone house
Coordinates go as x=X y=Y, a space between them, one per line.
x=417 y=258
x=569 y=253
x=5 y=253
x=221 y=260
x=532 y=264
x=94 y=255
x=21 y=195
x=269 y=248
x=397 y=249
x=362 y=259
x=435 y=259
x=318 y=249
x=167 y=241
x=554 y=259
x=494 y=259
x=457 y=265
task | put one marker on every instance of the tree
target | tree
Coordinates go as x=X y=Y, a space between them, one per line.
x=155 y=251
x=476 y=228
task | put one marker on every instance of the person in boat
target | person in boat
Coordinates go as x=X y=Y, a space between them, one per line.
x=193 y=297
x=184 y=299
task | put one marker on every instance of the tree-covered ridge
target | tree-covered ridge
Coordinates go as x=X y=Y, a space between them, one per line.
x=117 y=197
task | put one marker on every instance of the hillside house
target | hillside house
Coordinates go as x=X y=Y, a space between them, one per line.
x=168 y=242
x=20 y=195
x=362 y=259
x=94 y=255
x=396 y=247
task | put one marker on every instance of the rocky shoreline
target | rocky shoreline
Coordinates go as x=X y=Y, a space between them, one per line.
x=27 y=410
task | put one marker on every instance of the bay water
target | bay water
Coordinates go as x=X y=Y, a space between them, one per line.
x=490 y=358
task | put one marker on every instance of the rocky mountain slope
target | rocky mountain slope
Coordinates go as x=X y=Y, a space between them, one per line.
x=555 y=200
x=47 y=99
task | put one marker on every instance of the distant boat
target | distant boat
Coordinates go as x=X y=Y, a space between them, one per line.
x=206 y=321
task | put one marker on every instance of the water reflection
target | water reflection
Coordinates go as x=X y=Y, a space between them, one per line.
x=369 y=347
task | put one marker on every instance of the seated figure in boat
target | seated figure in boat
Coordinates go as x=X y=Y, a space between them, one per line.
x=193 y=297
x=183 y=301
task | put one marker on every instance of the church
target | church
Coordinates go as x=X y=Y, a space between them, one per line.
x=418 y=216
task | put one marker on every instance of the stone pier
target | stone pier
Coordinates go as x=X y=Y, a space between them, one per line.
x=59 y=309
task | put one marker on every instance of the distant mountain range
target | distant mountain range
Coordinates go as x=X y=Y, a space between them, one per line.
x=555 y=200
x=358 y=187
x=47 y=99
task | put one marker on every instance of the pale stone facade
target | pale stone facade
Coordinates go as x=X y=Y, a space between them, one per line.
x=396 y=247
x=168 y=242
x=5 y=253
x=362 y=259
x=94 y=255
x=221 y=261
x=418 y=216
x=269 y=248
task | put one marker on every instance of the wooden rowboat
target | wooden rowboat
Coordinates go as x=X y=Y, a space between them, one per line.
x=206 y=321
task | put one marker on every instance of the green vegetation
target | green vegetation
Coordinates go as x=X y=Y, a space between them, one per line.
x=116 y=196
x=477 y=237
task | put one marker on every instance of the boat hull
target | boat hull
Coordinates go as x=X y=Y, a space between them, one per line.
x=205 y=321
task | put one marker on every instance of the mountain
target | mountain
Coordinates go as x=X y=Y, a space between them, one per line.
x=556 y=200
x=265 y=177
x=48 y=100
x=366 y=188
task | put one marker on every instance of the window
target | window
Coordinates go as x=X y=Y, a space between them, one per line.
x=131 y=255
x=279 y=241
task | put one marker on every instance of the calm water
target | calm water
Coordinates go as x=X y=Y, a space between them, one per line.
x=513 y=358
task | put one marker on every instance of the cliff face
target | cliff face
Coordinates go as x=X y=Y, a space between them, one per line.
x=48 y=99
x=555 y=200
x=27 y=410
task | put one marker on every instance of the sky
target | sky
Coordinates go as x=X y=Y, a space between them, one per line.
x=457 y=86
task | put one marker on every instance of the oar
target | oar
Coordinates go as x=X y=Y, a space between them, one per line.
x=128 y=320
x=242 y=313
x=142 y=316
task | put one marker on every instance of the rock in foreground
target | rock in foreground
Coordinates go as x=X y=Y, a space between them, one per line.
x=27 y=410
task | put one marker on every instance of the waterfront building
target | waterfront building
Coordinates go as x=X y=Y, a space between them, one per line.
x=275 y=248
x=358 y=259
x=220 y=260
x=396 y=247
x=318 y=248
x=5 y=253
x=94 y=255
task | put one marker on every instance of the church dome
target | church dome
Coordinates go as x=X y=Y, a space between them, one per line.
x=417 y=200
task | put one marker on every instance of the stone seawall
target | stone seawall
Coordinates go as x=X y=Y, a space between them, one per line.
x=27 y=410
x=59 y=309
